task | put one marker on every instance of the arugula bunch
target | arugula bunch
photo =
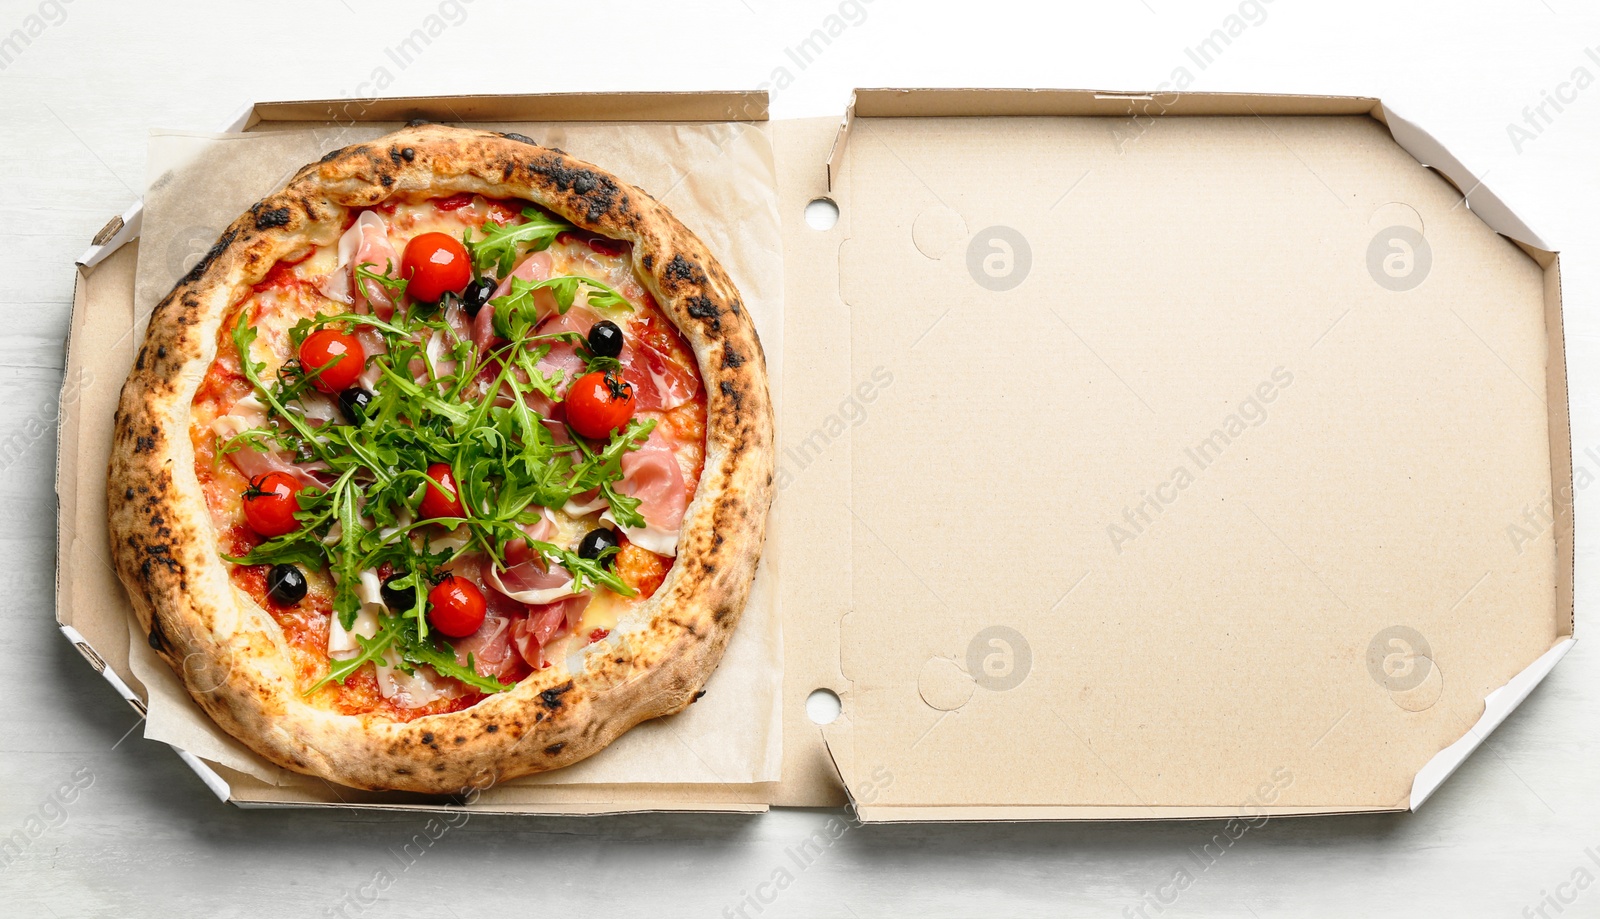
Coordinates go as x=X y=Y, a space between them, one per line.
x=506 y=460
x=502 y=244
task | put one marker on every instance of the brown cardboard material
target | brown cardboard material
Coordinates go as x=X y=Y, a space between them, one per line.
x=1182 y=248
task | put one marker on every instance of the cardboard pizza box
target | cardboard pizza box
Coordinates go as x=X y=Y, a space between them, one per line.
x=1141 y=456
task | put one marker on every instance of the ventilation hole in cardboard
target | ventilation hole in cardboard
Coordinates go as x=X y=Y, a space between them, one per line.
x=938 y=231
x=1424 y=695
x=822 y=214
x=823 y=706
x=944 y=685
x=1396 y=214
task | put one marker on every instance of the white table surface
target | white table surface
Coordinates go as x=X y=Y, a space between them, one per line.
x=147 y=839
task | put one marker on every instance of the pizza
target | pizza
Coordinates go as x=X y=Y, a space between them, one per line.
x=448 y=463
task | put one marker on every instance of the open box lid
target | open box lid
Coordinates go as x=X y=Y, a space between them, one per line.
x=1194 y=472
x=1140 y=456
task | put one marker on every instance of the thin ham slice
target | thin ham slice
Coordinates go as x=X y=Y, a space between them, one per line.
x=455 y=316
x=248 y=413
x=563 y=357
x=490 y=647
x=659 y=383
x=527 y=577
x=483 y=337
x=652 y=474
x=373 y=344
x=365 y=243
x=535 y=267
x=544 y=624
x=586 y=503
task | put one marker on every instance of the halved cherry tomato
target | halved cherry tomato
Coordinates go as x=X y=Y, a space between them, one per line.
x=434 y=264
x=445 y=502
x=456 y=606
x=270 y=503
x=340 y=356
x=599 y=403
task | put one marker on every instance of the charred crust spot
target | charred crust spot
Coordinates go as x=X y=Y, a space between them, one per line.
x=551 y=698
x=460 y=739
x=144 y=444
x=161 y=352
x=507 y=170
x=554 y=748
x=724 y=613
x=730 y=358
x=697 y=697
x=402 y=771
x=394 y=155
x=158 y=638
x=681 y=269
x=701 y=307
x=206 y=260
x=128 y=495
x=598 y=191
x=649 y=262
x=311 y=212
x=493 y=728
x=330 y=156
x=277 y=217
x=387 y=180
x=417 y=122
x=519 y=138
x=427 y=738
x=408 y=154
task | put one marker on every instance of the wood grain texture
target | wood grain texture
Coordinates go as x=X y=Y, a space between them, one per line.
x=145 y=838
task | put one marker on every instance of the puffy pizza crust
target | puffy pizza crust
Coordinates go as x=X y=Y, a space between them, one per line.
x=231 y=654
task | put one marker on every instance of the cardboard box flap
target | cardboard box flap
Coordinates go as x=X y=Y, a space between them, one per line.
x=1496 y=706
x=567 y=107
x=1196 y=460
x=1483 y=202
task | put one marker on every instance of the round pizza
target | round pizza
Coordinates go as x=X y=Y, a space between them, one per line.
x=448 y=463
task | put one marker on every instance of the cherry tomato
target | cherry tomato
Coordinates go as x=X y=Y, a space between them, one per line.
x=441 y=502
x=434 y=264
x=270 y=504
x=599 y=403
x=340 y=356
x=456 y=606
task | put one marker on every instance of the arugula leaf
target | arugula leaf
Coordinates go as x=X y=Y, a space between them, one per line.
x=346 y=558
x=372 y=650
x=422 y=651
x=364 y=275
x=501 y=245
x=625 y=508
x=517 y=313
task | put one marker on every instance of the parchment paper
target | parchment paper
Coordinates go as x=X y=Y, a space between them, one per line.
x=719 y=180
